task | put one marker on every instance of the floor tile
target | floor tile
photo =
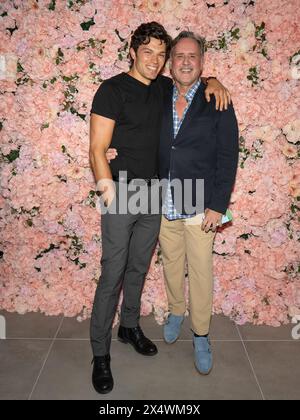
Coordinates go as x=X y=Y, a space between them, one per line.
x=277 y=367
x=265 y=332
x=31 y=325
x=168 y=375
x=21 y=361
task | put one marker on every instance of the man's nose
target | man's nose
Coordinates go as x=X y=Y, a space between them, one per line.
x=186 y=59
x=155 y=59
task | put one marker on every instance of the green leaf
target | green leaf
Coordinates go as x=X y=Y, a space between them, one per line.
x=51 y=247
x=118 y=34
x=235 y=33
x=13 y=155
x=62 y=178
x=222 y=43
x=73 y=89
x=259 y=30
x=45 y=125
x=245 y=236
x=92 y=42
x=86 y=25
x=51 y=5
x=19 y=67
x=12 y=30
x=59 y=56
x=294 y=208
x=266 y=300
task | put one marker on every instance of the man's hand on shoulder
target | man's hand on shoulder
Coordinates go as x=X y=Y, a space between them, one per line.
x=222 y=95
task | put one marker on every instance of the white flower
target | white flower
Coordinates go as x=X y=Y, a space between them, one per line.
x=8 y=66
x=292 y=131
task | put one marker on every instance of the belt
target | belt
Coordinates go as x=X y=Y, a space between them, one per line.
x=136 y=181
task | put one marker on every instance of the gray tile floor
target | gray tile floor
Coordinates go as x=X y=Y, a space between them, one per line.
x=50 y=358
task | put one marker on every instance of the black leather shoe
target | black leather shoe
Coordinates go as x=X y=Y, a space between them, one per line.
x=102 y=378
x=136 y=338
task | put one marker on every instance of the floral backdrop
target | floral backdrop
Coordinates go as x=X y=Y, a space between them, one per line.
x=53 y=56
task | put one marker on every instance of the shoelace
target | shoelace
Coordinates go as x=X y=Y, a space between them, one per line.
x=138 y=333
x=103 y=365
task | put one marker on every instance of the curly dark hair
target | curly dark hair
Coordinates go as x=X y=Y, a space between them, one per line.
x=143 y=33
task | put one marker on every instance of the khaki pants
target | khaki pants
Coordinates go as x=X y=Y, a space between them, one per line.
x=180 y=240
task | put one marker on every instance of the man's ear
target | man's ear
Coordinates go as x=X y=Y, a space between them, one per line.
x=132 y=53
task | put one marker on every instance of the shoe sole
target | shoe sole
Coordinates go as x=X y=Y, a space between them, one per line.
x=170 y=342
x=122 y=340
x=203 y=373
x=103 y=392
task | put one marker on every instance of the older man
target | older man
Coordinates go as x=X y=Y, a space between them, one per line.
x=197 y=142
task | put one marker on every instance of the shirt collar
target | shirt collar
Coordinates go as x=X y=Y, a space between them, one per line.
x=190 y=94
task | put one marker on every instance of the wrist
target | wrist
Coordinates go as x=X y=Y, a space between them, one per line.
x=205 y=80
x=210 y=78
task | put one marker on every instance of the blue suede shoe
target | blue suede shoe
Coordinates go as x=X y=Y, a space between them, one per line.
x=203 y=355
x=172 y=328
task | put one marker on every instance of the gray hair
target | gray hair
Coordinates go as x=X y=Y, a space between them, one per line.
x=190 y=35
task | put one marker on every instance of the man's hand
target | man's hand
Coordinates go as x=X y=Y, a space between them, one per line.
x=107 y=189
x=111 y=154
x=212 y=220
x=222 y=95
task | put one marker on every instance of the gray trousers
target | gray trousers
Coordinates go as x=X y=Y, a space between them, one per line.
x=128 y=242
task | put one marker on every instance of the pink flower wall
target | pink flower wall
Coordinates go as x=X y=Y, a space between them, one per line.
x=53 y=56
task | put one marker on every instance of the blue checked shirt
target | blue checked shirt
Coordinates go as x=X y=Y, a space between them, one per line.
x=169 y=209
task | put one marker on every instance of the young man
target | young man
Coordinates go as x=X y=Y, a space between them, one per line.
x=197 y=142
x=126 y=115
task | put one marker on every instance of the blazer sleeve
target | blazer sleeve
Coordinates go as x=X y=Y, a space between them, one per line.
x=227 y=160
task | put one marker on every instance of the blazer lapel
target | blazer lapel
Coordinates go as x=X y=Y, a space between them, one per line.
x=196 y=106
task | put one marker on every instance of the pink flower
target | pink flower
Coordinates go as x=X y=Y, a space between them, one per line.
x=290 y=151
x=155 y=5
x=294 y=185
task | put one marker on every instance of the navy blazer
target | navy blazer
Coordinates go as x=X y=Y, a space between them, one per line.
x=206 y=147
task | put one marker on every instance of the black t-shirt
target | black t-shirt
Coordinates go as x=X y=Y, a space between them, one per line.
x=137 y=109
